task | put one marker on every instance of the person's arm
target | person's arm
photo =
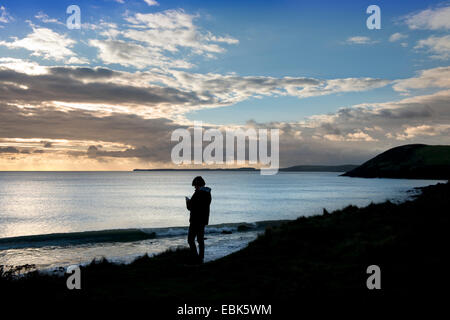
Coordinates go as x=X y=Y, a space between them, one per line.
x=191 y=203
x=188 y=201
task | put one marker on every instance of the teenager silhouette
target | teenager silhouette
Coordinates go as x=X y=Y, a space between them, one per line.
x=198 y=206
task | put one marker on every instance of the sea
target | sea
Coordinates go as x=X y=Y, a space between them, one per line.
x=55 y=219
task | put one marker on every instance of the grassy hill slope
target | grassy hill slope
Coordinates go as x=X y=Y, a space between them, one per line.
x=413 y=161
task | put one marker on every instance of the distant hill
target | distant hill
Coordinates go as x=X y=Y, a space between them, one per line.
x=311 y=168
x=304 y=168
x=412 y=161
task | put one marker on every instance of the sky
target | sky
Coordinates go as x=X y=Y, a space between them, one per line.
x=108 y=95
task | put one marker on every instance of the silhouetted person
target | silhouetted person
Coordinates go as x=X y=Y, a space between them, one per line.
x=198 y=206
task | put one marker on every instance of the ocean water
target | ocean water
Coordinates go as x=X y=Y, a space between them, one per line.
x=54 y=219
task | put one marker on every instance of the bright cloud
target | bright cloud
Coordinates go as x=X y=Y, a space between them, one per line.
x=355 y=136
x=155 y=39
x=173 y=29
x=431 y=78
x=151 y=2
x=439 y=47
x=423 y=130
x=22 y=66
x=397 y=37
x=44 y=42
x=132 y=54
x=432 y=19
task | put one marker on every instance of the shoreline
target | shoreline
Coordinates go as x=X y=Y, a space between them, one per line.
x=311 y=256
x=122 y=245
x=131 y=234
x=98 y=240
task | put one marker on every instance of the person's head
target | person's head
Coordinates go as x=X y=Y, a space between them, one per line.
x=198 y=182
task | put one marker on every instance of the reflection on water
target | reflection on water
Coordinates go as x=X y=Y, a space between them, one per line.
x=53 y=202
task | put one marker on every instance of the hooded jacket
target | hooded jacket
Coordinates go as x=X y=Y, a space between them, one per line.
x=199 y=206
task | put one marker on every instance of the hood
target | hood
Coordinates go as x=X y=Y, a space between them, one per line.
x=205 y=189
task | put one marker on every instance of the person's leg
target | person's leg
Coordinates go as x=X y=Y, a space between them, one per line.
x=201 y=242
x=191 y=240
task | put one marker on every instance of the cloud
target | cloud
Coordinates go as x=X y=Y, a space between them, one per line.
x=173 y=19
x=367 y=129
x=351 y=135
x=372 y=126
x=431 y=19
x=397 y=37
x=343 y=85
x=430 y=78
x=357 y=135
x=132 y=114
x=135 y=55
x=439 y=47
x=151 y=2
x=165 y=93
x=92 y=151
x=423 y=130
x=46 y=19
x=44 y=42
x=390 y=116
x=162 y=39
x=77 y=61
x=22 y=66
x=149 y=138
x=173 y=29
x=359 y=40
x=232 y=88
x=87 y=93
x=343 y=135
x=9 y=150
x=137 y=139
x=5 y=17
x=228 y=40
